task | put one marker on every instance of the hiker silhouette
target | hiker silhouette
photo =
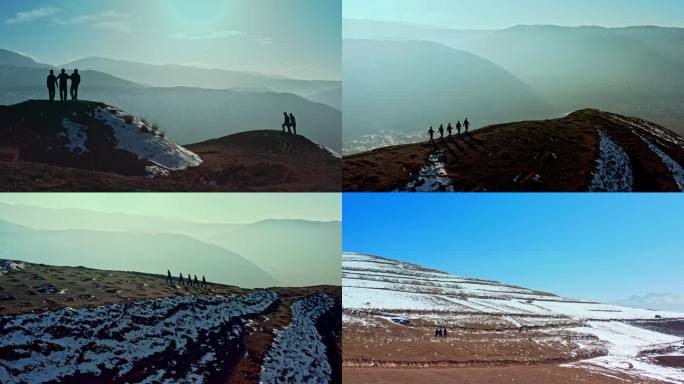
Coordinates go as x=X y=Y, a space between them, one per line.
x=441 y=131
x=293 y=122
x=196 y=282
x=444 y=333
x=168 y=277
x=75 y=82
x=449 y=129
x=180 y=279
x=458 y=127
x=63 y=77
x=204 y=281
x=286 y=123
x=431 y=132
x=466 y=124
x=51 y=84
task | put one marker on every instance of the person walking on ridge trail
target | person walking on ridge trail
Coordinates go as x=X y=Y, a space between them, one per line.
x=431 y=132
x=180 y=279
x=169 y=281
x=196 y=282
x=75 y=82
x=51 y=84
x=204 y=282
x=444 y=333
x=293 y=122
x=449 y=129
x=458 y=127
x=286 y=123
x=441 y=131
x=466 y=124
x=63 y=77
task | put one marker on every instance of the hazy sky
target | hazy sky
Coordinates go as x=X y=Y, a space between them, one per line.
x=594 y=246
x=231 y=208
x=294 y=38
x=498 y=14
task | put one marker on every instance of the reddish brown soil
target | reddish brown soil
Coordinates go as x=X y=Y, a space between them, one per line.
x=562 y=151
x=539 y=374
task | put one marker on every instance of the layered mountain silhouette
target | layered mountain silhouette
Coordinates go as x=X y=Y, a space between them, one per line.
x=399 y=86
x=93 y=146
x=589 y=150
x=633 y=71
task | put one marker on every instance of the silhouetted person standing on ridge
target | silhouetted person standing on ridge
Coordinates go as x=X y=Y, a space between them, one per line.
x=449 y=129
x=466 y=124
x=180 y=279
x=441 y=131
x=75 y=82
x=293 y=122
x=458 y=127
x=204 y=281
x=431 y=132
x=444 y=333
x=168 y=277
x=63 y=77
x=196 y=282
x=286 y=123
x=51 y=84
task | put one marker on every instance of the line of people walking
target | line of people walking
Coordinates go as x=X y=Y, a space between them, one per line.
x=449 y=129
x=441 y=332
x=290 y=123
x=186 y=282
x=60 y=82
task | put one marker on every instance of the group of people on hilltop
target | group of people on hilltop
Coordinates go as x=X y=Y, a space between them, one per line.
x=441 y=332
x=290 y=123
x=186 y=282
x=60 y=82
x=450 y=129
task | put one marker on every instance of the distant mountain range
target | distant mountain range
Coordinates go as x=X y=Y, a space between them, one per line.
x=633 y=70
x=190 y=104
x=659 y=301
x=277 y=252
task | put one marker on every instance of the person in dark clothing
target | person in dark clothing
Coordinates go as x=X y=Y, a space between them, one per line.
x=196 y=282
x=458 y=127
x=189 y=284
x=63 y=77
x=293 y=122
x=51 y=84
x=441 y=131
x=180 y=279
x=466 y=124
x=444 y=333
x=286 y=123
x=449 y=129
x=204 y=281
x=431 y=132
x=75 y=82
x=437 y=332
x=168 y=277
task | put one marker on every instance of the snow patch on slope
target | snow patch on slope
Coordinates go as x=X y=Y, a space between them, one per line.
x=55 y=345
x=76 y=133
x=432 y=177
x=141 y=140
x=298 y=353
x=613 y=170
x=674 y=167
x=7 y=266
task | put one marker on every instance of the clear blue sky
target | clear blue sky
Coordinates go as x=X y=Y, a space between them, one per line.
x=603 y=247
x=499 y=14
x=295 y=38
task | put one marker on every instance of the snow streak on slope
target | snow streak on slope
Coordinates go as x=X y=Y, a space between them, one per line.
x=625 y=343
x=613 y=170
x=76 y=133
x=432 y=177
x=670 y=163
x=170 y=339
x=132 y=135
x=298 y=353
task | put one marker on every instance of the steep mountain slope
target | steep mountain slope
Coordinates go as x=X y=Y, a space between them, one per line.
x=186 y=76
x=308 y=243
x=126 y=327
x=149 y=253
x=18 y=60
x=495 y=324
x=405 y=86
x=110 y=143
x=331 y=97
x=587 y=150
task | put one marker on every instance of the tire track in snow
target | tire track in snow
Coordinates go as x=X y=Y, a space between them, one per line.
x=613 y=170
